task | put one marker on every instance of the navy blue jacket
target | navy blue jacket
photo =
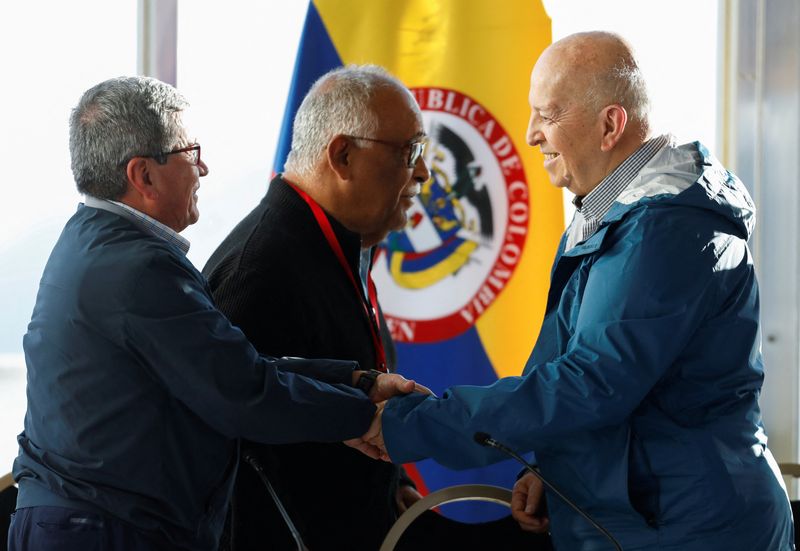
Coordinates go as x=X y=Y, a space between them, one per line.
x=640 y=398
x=138 y=387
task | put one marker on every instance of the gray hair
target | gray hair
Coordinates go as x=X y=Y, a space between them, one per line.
x=608 y=62
x=337 y=103
x=623 y=84
x=118 y=119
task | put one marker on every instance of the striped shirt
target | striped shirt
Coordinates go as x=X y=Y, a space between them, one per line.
x=145 y=223
x=591 y=209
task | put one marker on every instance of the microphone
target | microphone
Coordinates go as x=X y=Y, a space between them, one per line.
x=484 y=439
x=250 y=459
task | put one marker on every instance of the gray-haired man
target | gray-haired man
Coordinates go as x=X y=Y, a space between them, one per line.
x=138 y=387
x=294 y=276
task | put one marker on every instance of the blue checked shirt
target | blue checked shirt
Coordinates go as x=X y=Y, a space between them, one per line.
x=591 y=209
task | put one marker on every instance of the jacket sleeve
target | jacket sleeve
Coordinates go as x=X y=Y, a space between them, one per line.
x=644 y=297
x=199 y=357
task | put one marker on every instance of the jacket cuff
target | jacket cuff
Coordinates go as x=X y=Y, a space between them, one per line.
x=328 y=371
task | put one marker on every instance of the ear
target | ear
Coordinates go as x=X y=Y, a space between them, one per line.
x=614 y=120
x=338 y=156
x=138 y=172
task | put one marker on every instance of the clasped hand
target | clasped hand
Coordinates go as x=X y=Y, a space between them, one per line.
x=386 y=386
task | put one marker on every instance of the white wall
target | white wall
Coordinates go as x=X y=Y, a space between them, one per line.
x=50 y=52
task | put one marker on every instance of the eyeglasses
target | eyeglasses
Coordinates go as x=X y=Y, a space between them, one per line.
x=192 y=150
x=415 y=147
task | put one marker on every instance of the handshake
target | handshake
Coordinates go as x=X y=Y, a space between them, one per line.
x=386 y=385
x=527 y=499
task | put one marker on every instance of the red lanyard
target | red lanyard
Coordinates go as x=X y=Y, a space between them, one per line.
x=333 y=241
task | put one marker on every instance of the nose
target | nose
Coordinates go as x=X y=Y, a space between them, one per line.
x=202 y=167
x=421 y=172
x=534 y=134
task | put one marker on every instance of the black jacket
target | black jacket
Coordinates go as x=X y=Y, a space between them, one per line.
x=276 y=277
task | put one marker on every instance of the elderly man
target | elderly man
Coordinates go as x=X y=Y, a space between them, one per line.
x=640 y=397
x=138 y=387
x=294 y=276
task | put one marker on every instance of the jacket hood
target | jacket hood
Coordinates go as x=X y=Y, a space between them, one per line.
x=688 y=175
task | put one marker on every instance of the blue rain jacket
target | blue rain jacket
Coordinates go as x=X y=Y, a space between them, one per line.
x=640 y=398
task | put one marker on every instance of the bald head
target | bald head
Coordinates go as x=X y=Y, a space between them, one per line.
x=598 y=69
x=588 y=108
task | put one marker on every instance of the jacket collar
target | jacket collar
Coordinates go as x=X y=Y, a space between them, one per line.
x=291 y=209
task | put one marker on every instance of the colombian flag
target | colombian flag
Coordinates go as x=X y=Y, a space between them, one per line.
x=463 y=287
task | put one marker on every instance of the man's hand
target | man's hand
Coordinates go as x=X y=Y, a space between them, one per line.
x=362 y=443
x=371 y=442
x=364 y=447
x=391 y=384
x=388 y=385
x=405 y=497
x=528 y=505
x=374 y=436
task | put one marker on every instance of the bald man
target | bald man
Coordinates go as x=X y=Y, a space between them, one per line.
x=640 y=398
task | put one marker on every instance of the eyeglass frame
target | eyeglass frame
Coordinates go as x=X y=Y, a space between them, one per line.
x=161 y=158
x=416 y=147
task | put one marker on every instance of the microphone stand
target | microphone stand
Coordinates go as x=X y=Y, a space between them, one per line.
x=250 y=459
x=485 y=439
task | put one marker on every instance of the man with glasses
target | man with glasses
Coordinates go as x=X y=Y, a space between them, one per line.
x=294 y=275
x=139 y=389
